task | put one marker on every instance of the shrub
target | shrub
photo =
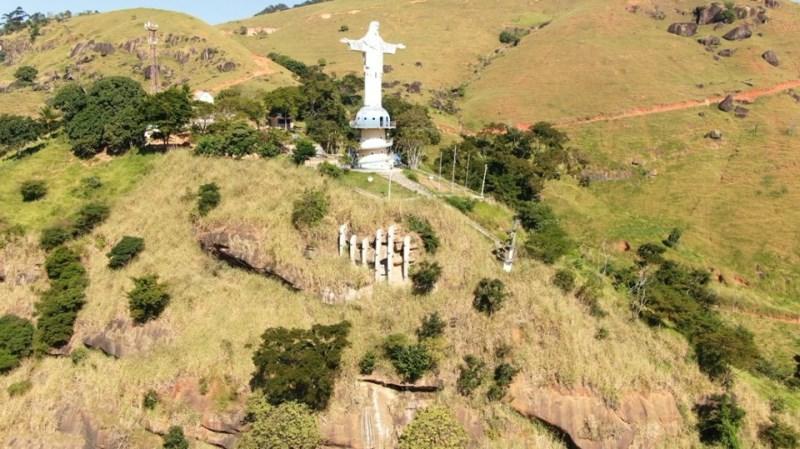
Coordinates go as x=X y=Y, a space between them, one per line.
x=174 y=439
x=304 y=150
x=26 y=74
x=489 y=296
x=331 y=170
x=463 y=204
x=513 y=36
x=310 y=209
x=548 y=244
x=147 y=299
x=208 y=198
x=434 y=428
x=470 y=375
x=651 y=253
x=54 y=237
x=778 y=435
x=77 y=356
x=504 y=374
x=423 y=227
x=58 y=306
x=432 y=326
x=719 y=420
x=17 y=131
x=288 y=426
x=411 y=361
x=16 y=340
x=33 y=190
x=673 y=238
x=564 y=280
x=19 y=388
x=601 y=334
x=424 y=277
x=300 y=365
x=344 y=28
x=88 y=217
x=367 y=363
x=411 y=175
x=124 y=251
x=589 y=295
x=150 y=400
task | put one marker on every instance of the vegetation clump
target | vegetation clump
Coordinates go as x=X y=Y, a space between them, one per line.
x=425 y=276
x=58 y=307
x=330 y=170
x=434 y=428
x=19 y=388
x=423 y=227
x=208 y=198
x=147 y=299
x=26 y=75
x=411 y=361
x=33 y=190
x=17 y=131
x=238 y=139
x=547 y=240
x=489 y=296
x=299 y=365
x=175 y=439
x=461 y=203
x=719 y=420
x=16 y=341
x=779 y=435
x=150 y=400
x=471 y=375
x=289 y=425
x=367 y=363
x=432 y=327
x=124 y=251
x=303 y=151
x=564 y=280
x=310 y=209
x=513 y=36
x=504 y=374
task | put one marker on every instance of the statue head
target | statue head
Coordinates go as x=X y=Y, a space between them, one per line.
x=374 y=27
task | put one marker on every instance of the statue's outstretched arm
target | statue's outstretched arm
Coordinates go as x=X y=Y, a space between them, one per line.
x=391 y=48
x=354 y=45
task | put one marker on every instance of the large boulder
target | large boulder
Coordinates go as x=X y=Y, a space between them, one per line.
x=104 y=48
x=640 y=420
x=685 y=29
x=709 y=41
x=771 y=58
x=772 y=3
x=727 y=104
x=120 y=337
x=739 y=33
x=712 y=13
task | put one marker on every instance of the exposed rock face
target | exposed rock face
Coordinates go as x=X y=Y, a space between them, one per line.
x=683 y=29
x=741 y=112
x=772 y=3
x=639 y=422
x=709 y=41
x=727 y=53
x=795 y=95
x=709 y=14
x=227 y=66
x=714 y=134
x=120 y=337
x=771 y=58
x=104 y=48
x=77 y=422
x=208 y=54
x=739 y=33
x=727 y=104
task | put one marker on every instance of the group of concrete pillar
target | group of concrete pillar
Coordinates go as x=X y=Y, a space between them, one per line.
x=384 y=253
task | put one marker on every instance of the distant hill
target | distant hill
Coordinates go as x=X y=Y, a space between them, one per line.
x=115 y=43
x=580 y=58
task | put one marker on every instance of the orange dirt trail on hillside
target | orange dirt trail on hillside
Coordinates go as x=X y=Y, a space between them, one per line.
x=263 y=68
x=747 y=96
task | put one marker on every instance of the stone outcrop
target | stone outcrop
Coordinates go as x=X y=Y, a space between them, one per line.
x=227 y=66
x=712 y=13
x=640 y=420
x=74 y=421
x=104 y=48
x=772 y=3
x=739 y=33
x=741 y=112
x=685 y=29
x=709 y=41
x=771 y=58
x=120 y=337
x=727 y=104
x=727 y=53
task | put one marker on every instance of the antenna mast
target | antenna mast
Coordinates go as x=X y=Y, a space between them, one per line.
x=152 y=39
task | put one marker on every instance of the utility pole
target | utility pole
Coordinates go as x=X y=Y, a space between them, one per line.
x=441 y=158
x=483 y=184
x=511 y=249
x=453 y=174
x=152 y=39
x=391 y=173
x=466 y=174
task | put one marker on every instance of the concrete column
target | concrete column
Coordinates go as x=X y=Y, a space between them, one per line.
x=406 y=256
x=390 y=253
x=342 y=239
x=364 y=251
x=353 y=244
x=378 y=243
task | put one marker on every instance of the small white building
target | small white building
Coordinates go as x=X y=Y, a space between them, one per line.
x=372 y=119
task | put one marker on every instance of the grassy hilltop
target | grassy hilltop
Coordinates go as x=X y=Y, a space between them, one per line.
x=57 y=51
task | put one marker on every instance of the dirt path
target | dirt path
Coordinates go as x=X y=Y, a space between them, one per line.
x=263 y=68
x=787 y=319
x=747 y=96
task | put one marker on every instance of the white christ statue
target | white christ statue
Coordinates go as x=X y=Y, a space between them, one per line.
x=373 y=47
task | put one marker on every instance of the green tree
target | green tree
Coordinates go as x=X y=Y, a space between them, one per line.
x=147 y=299
x=489 y=296
x=300 y=365
x=17 y=131
x=412 y=362
x=290 y=425
x=174 y=439
x=49 y=118
x=304 y=150
x=33 y=190
x=434 y=428
x=233 y=102
x=414 y=131
x=719 y=420
x=425 y=276
x=26 y=74
x=169 y=111
x=432 y=327
x=309 y=210
x=70 y=99
x=208 y=198
x=564 y=280
x=285 y=102
x=470 y=375
x=16 y=340
x=14 y=20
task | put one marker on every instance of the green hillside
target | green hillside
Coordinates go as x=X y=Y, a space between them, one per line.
x=115 y=43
